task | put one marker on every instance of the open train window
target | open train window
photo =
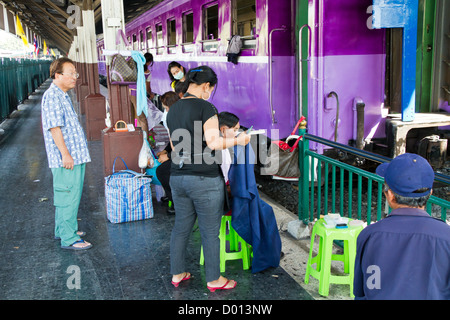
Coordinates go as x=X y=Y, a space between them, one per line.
x=149 y=38
x=244 y=22
x=171 y=36
x=210 y=27
x=135 y=44
x=188 y=32
x=141 y=40
x=159 y=39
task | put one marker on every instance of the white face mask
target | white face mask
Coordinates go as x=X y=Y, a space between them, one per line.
x=179 y=75
x=164 y=119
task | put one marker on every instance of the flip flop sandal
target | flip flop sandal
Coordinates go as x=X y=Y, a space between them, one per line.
x=71 y=247
x=79 y=233
x=212 y=289
x=187 y=277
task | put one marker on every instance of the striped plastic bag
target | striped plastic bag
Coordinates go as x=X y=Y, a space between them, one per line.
x=128 y=196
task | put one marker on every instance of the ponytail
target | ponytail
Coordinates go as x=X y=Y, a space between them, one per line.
x=202 y=74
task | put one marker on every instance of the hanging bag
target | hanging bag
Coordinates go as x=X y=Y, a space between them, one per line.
x=128 y=196
x=122 y=71
x=286 y=155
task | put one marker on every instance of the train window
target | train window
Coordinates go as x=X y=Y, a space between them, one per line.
x=149 y=38
x=210 y=27
x=141 y=40
x=188 y=32
x=171 y=36
x=245 y=17
x=135 y=44
x=244 y=22
x=159 y=39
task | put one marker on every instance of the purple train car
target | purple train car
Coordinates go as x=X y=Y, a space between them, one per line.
x=336 y=62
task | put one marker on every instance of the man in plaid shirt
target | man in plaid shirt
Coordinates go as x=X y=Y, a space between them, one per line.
x=67 y=152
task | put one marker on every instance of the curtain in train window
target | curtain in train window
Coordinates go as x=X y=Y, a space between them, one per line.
x=149 y=38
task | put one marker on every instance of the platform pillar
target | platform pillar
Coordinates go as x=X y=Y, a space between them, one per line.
x=124 y=144
x=94 y=103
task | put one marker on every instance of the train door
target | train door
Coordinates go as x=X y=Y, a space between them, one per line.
x=425 y=50
x=345 y=67
x=440 y=94
x=432 y=66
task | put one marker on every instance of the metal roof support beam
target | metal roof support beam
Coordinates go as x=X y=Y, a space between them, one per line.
x=59 y=38
x=62 y=25
x=54 y=6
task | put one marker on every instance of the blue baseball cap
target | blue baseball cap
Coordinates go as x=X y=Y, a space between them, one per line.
x=407 y=173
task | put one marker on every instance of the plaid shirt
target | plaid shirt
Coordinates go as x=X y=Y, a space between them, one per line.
x=57 y=111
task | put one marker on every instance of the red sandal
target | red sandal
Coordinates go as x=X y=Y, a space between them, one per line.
x=187 y=277
x=212 y=289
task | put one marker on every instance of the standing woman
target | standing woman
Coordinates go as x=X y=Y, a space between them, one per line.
x=196 y=179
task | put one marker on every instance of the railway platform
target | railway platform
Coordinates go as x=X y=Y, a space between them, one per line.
x=128 y=261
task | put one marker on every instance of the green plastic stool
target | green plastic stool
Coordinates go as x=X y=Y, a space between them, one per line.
x=235 y=241
x=324 y=256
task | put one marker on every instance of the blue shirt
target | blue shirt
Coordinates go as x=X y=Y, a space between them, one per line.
x=405 y=256
x=57 y=111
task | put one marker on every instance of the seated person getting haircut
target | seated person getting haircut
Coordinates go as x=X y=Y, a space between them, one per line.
x=228 y=126
x=252 y=218
x=164 y=157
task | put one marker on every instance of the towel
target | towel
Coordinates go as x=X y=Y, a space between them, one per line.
x=252 y=218
x=141 y=91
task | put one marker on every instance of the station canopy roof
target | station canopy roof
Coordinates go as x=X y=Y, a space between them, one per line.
x=48 y=18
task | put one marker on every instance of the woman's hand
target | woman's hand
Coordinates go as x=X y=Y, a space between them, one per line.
x=243 y=139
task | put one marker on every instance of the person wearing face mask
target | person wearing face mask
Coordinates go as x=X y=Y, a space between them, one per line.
x=176 y=72
x=196 y=180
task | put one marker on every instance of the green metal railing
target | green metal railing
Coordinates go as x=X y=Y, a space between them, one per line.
x=328 y=185
x=19 y=78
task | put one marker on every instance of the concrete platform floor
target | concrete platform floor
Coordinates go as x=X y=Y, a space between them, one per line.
x=128 y=261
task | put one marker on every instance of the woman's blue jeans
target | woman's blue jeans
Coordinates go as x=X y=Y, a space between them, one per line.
x=202 y=197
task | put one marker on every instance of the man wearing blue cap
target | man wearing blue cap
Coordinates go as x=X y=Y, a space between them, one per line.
x=407 y=254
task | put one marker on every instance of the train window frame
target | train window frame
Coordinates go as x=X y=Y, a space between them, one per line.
x=209 y=44
x=171 y=47
x=248 y=40
x=159 y=37
x=141 y=40
x=188 y=46
x=134 y=42
x=149 y=41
